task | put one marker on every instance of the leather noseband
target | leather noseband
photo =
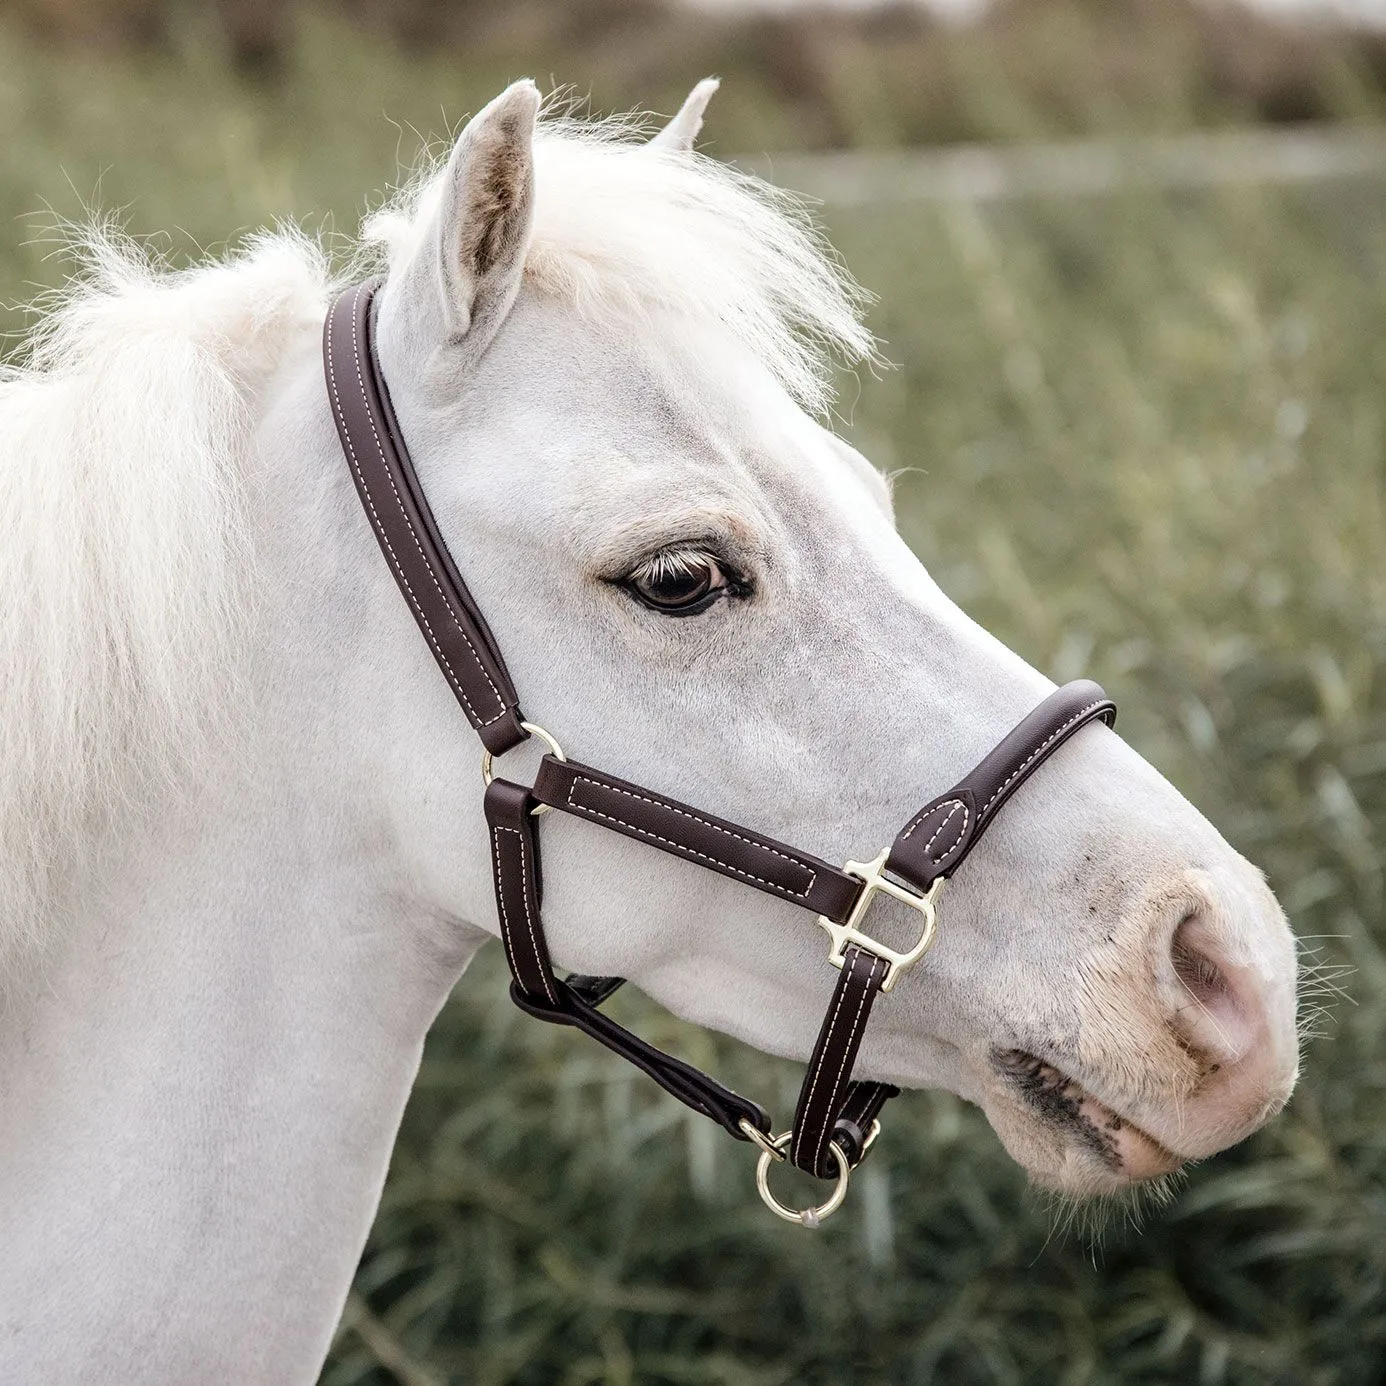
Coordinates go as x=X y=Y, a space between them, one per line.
x=836 y=1117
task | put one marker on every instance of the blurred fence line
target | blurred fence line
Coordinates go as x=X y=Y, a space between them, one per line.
x=1075 y=168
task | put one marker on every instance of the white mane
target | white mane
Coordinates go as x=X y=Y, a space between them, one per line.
x=621 y=226
x=124 y=549
x=124 y=559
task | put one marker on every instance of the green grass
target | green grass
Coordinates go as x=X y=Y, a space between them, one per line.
x=1142 y=438
x=816 y=77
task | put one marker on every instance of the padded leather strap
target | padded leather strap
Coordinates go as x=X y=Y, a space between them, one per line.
x=829 y=1075
x=535 y=989
x=404 y=526
x=938 y=838
x=689 y=832
x=515 y=868
x=831 y=1107
x=932 y=844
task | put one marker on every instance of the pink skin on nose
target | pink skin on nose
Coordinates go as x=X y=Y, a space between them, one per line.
x=1228 y=1021
x=1231 y=1018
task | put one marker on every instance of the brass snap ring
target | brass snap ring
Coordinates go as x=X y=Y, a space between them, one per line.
x=758 y=1137
x=534 y=729
x=805 y=1217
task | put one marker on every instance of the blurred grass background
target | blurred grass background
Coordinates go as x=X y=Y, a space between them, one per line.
x=1140 y=437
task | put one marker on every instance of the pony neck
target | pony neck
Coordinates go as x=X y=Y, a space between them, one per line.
x=197 y=1108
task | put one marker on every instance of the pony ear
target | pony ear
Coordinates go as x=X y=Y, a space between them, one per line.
x=683 y=129
x=468 y=266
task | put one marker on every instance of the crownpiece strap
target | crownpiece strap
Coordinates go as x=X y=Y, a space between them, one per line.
x=404 y=526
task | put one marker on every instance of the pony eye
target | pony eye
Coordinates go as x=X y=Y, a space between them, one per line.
x=679 y=583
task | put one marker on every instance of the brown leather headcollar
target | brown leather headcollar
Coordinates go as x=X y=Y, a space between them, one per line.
x=836 y=1118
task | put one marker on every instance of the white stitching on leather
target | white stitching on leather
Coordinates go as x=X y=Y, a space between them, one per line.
x=856 y=1118
x=404 y=515
x=947 y=819
x=1053 y=736
x=500 y=900
x=962 y=832
x=385 y=538
x=529 y=915
x=1010 y=780
x=689 y=851
x=818 y=1067
x=452 y=676
x=826 y=1132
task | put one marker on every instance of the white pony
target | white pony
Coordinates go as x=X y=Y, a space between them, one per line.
x=241 y=835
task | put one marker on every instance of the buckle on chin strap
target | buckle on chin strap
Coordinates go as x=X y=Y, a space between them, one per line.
x=874 y=881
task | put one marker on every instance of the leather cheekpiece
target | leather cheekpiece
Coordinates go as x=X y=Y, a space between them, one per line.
x=405 y=529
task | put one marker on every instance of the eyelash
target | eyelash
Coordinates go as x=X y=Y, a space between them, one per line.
x=670 y=563
x=683 y=561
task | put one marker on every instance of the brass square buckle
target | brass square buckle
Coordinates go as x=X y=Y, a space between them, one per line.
x=872 y=876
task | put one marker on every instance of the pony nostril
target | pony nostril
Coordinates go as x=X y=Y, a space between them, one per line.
x=1213 y=1015
x=1196 y=969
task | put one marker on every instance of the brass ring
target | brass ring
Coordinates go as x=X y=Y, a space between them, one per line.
x=805 y=1217
x=534 y=729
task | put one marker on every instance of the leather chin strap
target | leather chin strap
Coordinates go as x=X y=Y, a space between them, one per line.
x=835 y=1119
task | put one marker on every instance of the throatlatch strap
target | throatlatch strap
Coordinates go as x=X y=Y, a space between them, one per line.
x=405 y=529
x=535 y=989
